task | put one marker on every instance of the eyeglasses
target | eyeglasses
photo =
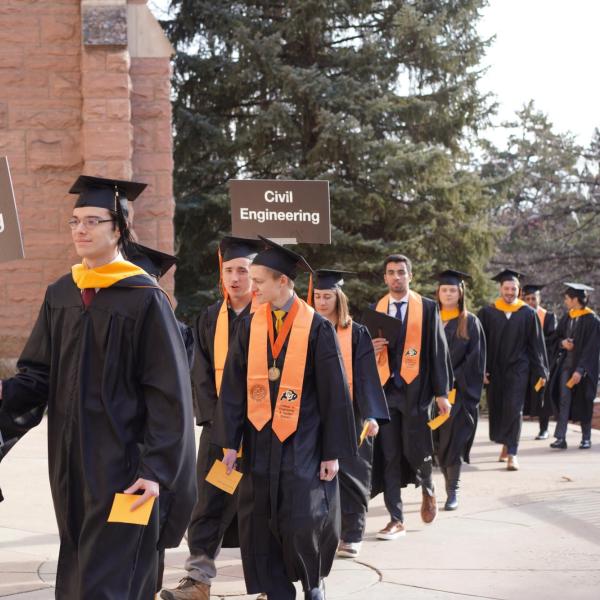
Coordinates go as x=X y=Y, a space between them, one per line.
x=87 y=222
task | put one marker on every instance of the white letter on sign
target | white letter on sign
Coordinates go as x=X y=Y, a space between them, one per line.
x=269 y=196
x=1 y=222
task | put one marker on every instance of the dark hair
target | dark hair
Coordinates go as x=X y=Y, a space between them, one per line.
x=397 y=258
x=581 y=295
x=127 y=236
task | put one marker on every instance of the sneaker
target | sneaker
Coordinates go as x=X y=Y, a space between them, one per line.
x=585 y=445
x=542 y=435
x=393 y=530
x=559 y=444
x=512 y=463
x=349 y=549
x=188 y=589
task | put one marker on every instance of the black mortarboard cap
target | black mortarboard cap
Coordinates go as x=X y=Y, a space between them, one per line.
x=507 y=275
x=328 y=279
x=452 y=277
x=382 y=325
x=532 y=288
x=154 y=262
x=578 y=287
x=100 y=192
x=236 y=247
x=281 y=259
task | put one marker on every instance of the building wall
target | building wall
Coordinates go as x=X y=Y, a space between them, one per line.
x=84 y=88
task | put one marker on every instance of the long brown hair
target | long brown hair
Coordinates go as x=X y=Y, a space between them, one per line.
x=341 y=307
x=462 y=330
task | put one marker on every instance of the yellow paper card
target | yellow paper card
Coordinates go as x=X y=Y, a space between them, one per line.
x=571 y=383
x=438 y=421
x=363 y=434
x=452 y=396
x=121 y=510
x=219 y=478
x=541 y=382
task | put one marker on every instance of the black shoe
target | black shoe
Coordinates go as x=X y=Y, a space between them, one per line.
x=542 y=435
x=585 y=445
x=316 y=593
x=559 y=444
x=451 y=502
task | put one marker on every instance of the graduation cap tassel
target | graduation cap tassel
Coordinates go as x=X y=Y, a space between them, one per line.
x=126 y=236
x=309 y=299
x=221 y=284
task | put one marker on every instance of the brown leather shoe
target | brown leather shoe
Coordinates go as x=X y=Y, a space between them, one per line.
x=393 y=530
x=188 y=589
x=503 y=454
x=262 y=597
x=428 y=508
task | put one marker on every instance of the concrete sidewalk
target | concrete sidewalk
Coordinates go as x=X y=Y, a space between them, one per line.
x=532 y=534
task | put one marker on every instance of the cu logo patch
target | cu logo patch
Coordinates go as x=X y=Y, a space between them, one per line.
x=411 y=352
x=289 y=395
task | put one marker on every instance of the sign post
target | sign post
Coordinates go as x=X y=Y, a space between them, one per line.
x=286 y=211
x=11 y=244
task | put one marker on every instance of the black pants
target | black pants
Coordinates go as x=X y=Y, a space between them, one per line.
x=394 y=438
x=544 y=423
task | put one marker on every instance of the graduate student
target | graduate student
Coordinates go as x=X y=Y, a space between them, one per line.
x=156 y=264
x=466 y=343
x=575 y=373
x=285 y=394
x=370 y=407
x=415 y=373
x=537 y=403
x=516 y=355
x=107 y=359
x=214 y=516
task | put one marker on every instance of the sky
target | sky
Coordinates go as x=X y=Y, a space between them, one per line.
x=544 y=50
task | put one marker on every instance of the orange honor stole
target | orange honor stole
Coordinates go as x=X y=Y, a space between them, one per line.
x=289 y=395
x=221 y=341
x=411 y=353
x=344 y=335
x=541 y=313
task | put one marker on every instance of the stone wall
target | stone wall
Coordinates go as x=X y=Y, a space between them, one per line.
x=84 y=88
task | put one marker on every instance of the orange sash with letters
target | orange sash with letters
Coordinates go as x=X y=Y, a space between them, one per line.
x=344 y=335
x=411 y=353
x=221 y=341
x=541 y=313
x=289 y=395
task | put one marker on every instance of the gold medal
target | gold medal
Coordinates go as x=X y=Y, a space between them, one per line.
x=274 y=373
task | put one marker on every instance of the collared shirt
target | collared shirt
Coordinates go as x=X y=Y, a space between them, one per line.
x=286 y=306
x=392 y=308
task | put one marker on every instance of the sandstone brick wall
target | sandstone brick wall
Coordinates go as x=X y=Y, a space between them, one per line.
x=71 y=105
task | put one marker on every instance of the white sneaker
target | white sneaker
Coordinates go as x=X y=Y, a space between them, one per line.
x=349 y=549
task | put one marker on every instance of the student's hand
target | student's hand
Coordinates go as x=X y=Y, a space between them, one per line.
x=443 y=405
x=379 y=344
x=150 y=488
x=568 y=344
x=486 y=379
x=576 y=377
x=230 y=459
x=373 y=428
x=329 y=469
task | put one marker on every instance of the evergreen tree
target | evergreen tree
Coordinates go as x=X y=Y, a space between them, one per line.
x=377 y=97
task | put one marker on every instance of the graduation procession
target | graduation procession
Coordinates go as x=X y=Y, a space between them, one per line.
x=298 y=300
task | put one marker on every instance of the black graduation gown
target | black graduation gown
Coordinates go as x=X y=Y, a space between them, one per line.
x=586 y=339
x=214 y=519
x=116 y=383
x=369 y=402
x=538 y=403
x=454 y=438
x=434 y=380
x=282 y=499
x=516 y=355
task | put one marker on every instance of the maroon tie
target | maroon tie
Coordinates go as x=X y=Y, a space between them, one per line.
x=87 y=295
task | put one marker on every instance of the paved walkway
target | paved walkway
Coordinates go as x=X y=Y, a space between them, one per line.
x=534 y=534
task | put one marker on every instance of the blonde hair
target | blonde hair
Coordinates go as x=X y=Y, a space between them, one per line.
x=343 y=311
